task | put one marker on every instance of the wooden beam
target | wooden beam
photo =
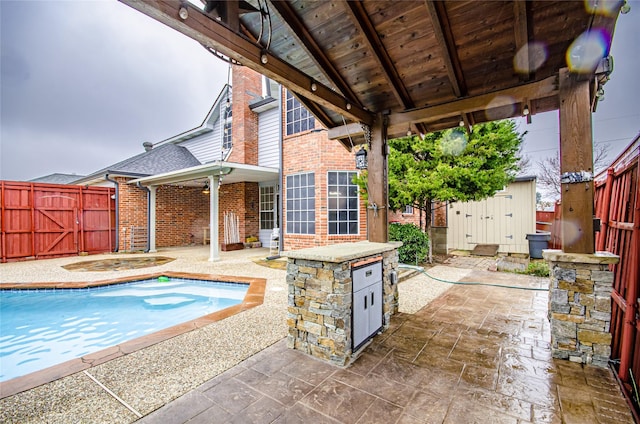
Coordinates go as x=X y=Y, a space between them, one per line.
x=444 y=36
x=378 y=183
x=305 y=39
x=315 y=110
x=212 y=33
x=400 y=121
x=353 y=129
x=361 y=21
x=576 y=156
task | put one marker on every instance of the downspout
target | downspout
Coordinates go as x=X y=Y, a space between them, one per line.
x=148 y=214
x=280 y=175
x=117 y=184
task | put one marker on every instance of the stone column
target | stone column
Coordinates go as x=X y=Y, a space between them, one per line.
x=580 y=305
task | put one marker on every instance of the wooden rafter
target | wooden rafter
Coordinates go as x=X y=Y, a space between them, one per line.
x=444 y=37
x=304 y=38
x=361 y=21
x=235 y=45
x=521 y=33
x=442 y=32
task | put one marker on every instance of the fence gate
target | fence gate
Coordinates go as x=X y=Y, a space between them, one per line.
x=40 y=220
x=55 y=224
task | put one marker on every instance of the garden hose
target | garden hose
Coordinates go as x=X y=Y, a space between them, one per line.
x=468 y=283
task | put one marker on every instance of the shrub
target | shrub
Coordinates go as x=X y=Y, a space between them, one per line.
x=415 y=243
x=539 y=269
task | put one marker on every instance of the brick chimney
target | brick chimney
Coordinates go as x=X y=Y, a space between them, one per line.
x=247 y=85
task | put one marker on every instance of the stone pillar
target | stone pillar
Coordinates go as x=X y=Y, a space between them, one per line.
x=580 y=305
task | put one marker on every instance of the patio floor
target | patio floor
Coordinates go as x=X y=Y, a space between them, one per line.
x=476 y=354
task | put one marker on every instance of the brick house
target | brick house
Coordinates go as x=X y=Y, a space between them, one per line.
x=262 y=156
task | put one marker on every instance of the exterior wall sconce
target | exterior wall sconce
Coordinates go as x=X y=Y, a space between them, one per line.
x=183 y=12
x=525 y=110
x=205 y=189
x=361 y=158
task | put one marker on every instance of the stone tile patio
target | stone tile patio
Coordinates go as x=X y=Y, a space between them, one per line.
x=476 y=354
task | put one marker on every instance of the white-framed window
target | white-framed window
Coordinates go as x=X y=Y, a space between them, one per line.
x=298 y=117
x=226 y=115
x=343 y=214
x=408 y=209
x=267 y=207
x=226 y=136
x=301 y=203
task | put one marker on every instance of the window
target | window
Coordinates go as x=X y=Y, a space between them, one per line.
x=408 y=209
x=226 y=137
x=343 y=203
x=225 y=115
x=301 y=204
x=298 y=118
x=267 y=213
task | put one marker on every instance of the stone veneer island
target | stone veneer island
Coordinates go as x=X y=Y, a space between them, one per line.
x=320 y=305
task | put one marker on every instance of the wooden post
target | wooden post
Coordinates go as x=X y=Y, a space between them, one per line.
x=378 y=183
x=576 y=155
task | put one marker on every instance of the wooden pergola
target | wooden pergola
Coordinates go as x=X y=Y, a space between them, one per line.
x=375 y=69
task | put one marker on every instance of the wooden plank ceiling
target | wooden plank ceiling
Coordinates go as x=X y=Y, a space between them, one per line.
x=426 y=64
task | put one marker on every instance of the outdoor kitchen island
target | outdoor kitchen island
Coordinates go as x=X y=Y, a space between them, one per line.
x=340 y=296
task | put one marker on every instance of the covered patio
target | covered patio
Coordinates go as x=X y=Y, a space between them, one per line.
x=215 y=174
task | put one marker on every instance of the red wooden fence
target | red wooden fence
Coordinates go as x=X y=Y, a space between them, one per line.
x=39 y=220
x=550 y=221
x=617 y=204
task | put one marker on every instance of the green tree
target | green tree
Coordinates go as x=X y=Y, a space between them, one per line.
x=451 y=166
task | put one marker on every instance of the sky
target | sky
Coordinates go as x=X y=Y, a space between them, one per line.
x=84 y=83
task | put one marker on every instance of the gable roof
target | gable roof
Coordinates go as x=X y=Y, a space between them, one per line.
x=165 y=158
x=56 y=178
x=207 y=123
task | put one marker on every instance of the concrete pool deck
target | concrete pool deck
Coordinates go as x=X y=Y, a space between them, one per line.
x=473 y=355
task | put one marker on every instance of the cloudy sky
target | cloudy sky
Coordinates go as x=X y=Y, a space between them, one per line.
x=85 y=83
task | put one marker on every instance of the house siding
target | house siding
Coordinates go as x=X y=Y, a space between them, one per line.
x=206 y=147
x=269 y=138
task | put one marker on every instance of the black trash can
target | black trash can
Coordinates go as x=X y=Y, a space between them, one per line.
x=537 y=243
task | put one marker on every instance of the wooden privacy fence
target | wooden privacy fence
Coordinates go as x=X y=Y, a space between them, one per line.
x=40 y=220
x=617 y=204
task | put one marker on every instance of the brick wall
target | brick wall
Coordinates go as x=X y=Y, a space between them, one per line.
x=132 y=204
x=182 y=212
x=243 y=200
x=181 y=215
x=247 y=85
x=312 y=151
x=405 y=218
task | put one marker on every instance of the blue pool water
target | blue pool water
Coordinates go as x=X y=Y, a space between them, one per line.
x=41 y=328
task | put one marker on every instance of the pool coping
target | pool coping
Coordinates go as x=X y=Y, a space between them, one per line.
x=254 y=297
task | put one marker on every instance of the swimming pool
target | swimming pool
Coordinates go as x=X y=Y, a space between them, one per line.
x=41 y=328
